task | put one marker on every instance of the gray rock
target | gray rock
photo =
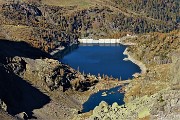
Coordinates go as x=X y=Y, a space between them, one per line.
x=3 y=105
x=22 y=115
x=103 y=104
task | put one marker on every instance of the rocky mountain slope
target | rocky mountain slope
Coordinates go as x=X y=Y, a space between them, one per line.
x=47 y=27
x=29 y=76
x=34 y=85
x=146 y=103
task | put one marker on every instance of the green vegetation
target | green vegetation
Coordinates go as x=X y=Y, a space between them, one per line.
x=165 y=10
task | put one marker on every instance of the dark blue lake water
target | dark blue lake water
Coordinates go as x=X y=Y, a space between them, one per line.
x=112 y=96
x=107 y=60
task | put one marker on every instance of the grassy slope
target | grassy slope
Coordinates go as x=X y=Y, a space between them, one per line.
x=158 y=77
x=80 y=3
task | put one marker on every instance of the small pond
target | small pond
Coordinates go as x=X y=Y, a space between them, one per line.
x=112 y=96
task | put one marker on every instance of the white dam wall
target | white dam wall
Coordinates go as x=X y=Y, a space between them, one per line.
x=99 y=41
x=102 y=41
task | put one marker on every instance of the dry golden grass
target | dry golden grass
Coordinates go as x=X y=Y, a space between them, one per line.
x=84 y=116
x=143 y=86
x=5 y=116
x=17 y=33
x=145 y=118
x=2 y=1
x=79 y=3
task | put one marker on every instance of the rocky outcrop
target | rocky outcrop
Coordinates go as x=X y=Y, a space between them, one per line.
x=44 y=70
x=163 y=105
x=57 y=75
x=22 y=116
x=39 y=68
x=17 y=65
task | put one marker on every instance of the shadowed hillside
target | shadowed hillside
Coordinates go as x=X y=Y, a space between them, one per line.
x=10 y=49
x=19 y=95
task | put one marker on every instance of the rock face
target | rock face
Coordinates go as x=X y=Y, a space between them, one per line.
x=56 y=75
x=45 y=70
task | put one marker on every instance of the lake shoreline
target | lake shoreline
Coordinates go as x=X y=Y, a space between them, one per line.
x=60 y=51
x=130 y=58
x=102 y=84
x=139 y=63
